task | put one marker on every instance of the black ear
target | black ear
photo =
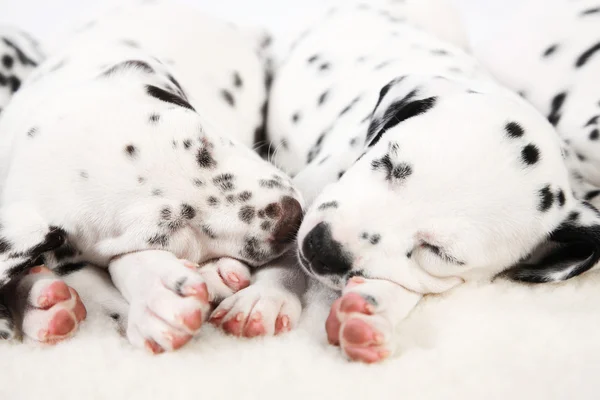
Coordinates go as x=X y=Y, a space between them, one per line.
x=398 y=101
x=571 y=249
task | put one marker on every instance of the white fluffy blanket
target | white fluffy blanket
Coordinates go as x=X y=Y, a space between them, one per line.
x=494 y=341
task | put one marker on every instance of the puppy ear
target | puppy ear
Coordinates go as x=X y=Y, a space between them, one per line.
x=398 y=101
x=571 y=249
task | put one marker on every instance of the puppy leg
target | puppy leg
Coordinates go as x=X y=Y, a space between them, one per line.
x=168 y=298
x=362 y=321
x=271 y=305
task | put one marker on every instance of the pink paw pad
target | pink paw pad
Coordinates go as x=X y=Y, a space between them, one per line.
x=355 y=303
x=61 y=324
x=282 y=324
x=199 y=291
x=55 y=293
x=193 y=320
x=234 y=325
x=255 y=327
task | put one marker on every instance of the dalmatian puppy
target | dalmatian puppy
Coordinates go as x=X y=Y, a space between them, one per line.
x=130 y=150
x=19 y=55
x=420 y=171
x=557 y=72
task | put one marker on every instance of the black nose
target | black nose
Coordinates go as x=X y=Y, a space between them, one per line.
x=289 y=217
x=325 y=255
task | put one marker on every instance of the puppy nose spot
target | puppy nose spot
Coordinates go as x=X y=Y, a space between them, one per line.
x=325 y=255
x=289 y=217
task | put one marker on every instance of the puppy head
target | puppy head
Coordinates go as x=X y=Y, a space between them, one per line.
x=454 y=184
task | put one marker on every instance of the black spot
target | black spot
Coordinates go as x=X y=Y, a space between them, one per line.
x=594 y=134
x=323 y=97
x=7 y=61
x=383 y=64
x=187 y=143
x=207 y=230
x=187 y=211
x=154 y=118
x=375 y=239
x=323 y=160
x=265 y=225
x=252 y=250
x=23 y=59
x=273 y=210
x=224 y=182
x=295 y=117
x=32 y=132
x=592 y=195
x=573 y=216
x=349 y=106
x=205 y=159
x=115 y=316
x=84 y=174
x=439 y=52
x=325 y=66
x=514 y=130
x=131 y=151
x=590 y=11
x=129 y=64
x=399 y=172
x=67 y=250
x=270 y=183
x=130 y=43
x=167 y=97
x=581 y=157
x=213 y=201
x=341 y=173
x=555 y=108
x=546 y=198
x=237 y=80
x=14 y=83
x=69 y=268
x=364 y=235
x=230 y=198
x=226 y=94
x=312 y=59
x=550 y=50
x=5 y=245
x=172 y=79
x=245 y=196
x=261 y=213
x=587 y=55
x=157 y=192
x=166 y=213
x=247 y=214
x=159 y=239
x=530 y=154
x=329 y=204
x=197 y=182
x=141 y=179
x=592 y=121
x=560 y=197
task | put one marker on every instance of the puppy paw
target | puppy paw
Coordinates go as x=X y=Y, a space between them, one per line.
x=52 y=311
x=258 y=311
x=225 y=277
x=171 y=309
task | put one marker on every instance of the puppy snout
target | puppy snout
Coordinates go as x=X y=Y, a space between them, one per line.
x=325 y=255
x=289 y=217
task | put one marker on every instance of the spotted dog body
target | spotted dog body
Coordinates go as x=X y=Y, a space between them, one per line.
x=129 y=149
x=557 y=72
x=422 y=173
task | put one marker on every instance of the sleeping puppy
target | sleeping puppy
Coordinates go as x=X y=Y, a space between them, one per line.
x=130 y=150
x=557 y=72
x=420 y=170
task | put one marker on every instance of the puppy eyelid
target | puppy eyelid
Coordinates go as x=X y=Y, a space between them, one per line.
x=441 y=253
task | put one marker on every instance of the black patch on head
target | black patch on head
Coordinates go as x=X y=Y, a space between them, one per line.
x=587 y=55
x=205 y=159
x=226 y=94
x=154 y=118
x=245 y=196
x=530 y=154
x=590 y=11
x=159 y=240
x=592 y=195
x=514 y=130
x=560 y=197
x=323 y=97
x=555 y=108
x=32 y=132
x=187 y=211
x=295 y=117
x=375 y=238
x=224 y=182
x=546 y=198
x=7 y=61
x=550 y=50
x=329 y=204
x=594 y=134
x=167 y=97
x=247 y=214
x=237 y=80
x=398 y=172
x=398 y=112
x=131 y=151
x=212 y=201
x=129 y=64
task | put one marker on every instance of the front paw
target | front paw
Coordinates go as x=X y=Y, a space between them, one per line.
x=258 y=311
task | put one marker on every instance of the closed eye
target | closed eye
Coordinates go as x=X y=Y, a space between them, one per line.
x=441 y=253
